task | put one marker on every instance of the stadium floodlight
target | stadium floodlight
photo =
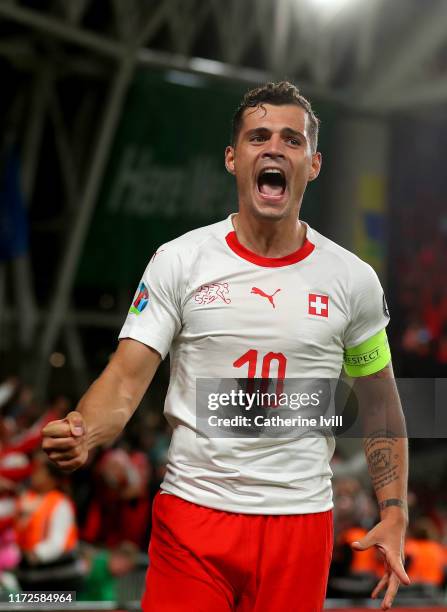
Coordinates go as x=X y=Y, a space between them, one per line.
x=329 y=12
x=332 y=6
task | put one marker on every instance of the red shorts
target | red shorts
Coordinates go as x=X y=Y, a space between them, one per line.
x=205 y=560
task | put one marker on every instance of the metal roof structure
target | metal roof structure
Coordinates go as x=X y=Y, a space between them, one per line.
x=72 y=62
x=378 y=54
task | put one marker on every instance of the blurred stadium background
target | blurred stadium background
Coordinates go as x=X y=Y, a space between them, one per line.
x=114 y=117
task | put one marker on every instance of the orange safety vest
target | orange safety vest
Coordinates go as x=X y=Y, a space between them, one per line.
x=32 y=526
x=426 y=561
x=363 y=561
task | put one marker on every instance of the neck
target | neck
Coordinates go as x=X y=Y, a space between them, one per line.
x=269 y=238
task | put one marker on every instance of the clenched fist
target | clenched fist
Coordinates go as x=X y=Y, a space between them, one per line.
x=65 y=441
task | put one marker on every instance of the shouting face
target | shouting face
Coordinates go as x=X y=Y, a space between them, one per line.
x=272 y=161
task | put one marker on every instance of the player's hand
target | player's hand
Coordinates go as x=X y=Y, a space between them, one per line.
x=65 y=441
x=388 y=537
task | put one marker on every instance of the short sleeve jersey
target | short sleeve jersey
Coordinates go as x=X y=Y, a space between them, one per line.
x=208 y=301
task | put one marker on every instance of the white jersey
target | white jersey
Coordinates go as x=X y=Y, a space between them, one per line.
x=221 y=311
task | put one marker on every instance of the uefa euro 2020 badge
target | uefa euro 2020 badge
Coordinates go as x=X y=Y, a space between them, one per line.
x=141 y=300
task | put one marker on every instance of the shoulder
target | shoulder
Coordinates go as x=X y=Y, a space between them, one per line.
x=345 y=262
x=186 y=245
x=173 y=262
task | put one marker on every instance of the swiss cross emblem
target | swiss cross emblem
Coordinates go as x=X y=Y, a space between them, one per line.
x=318 y=305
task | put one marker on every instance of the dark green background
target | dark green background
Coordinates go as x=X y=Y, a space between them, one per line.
x=183 y=131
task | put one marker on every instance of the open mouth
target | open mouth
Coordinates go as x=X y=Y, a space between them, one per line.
x=271 y=182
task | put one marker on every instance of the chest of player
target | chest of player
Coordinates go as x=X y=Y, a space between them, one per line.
x=292 y=309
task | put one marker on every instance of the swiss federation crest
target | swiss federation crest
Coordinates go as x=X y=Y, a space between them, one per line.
x=141 y=300
x=209 y=293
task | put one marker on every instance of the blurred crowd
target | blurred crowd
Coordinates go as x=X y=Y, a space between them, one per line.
x=81 y=532
x=354 y=574
x=87 y=531
x=419 y=290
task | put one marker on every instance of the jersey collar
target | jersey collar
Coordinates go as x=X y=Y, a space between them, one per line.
x=269 y=262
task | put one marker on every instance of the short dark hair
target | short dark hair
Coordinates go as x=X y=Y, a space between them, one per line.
x=277 y=94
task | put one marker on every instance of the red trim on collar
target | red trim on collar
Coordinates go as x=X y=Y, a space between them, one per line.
x=268 y=262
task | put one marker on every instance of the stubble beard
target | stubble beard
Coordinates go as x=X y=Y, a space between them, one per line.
x=270 y=213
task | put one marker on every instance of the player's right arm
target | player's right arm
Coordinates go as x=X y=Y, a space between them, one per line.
x=105 y=409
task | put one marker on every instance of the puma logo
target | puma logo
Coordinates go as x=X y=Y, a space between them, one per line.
x=257 y=291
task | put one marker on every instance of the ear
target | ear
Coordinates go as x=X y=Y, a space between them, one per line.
x=229 y=160
x=316 y=166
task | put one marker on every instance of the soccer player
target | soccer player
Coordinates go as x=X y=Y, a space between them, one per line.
x=245 y=523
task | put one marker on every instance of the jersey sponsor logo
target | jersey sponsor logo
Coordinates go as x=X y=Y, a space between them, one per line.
x=262 y=293
x=318 y=305
x=363 y=358
x=207 y=294
x=141 y=300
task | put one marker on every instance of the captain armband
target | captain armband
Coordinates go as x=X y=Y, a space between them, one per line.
x=368 y=357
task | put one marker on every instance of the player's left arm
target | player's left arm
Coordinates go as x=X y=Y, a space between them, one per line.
x=386 y=451
x=367 y=359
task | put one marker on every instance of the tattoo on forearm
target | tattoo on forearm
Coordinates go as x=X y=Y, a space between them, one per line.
x=384 y=480
x=381 y=433
x=386 y=503
x=379 y=460
x=382 y=458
